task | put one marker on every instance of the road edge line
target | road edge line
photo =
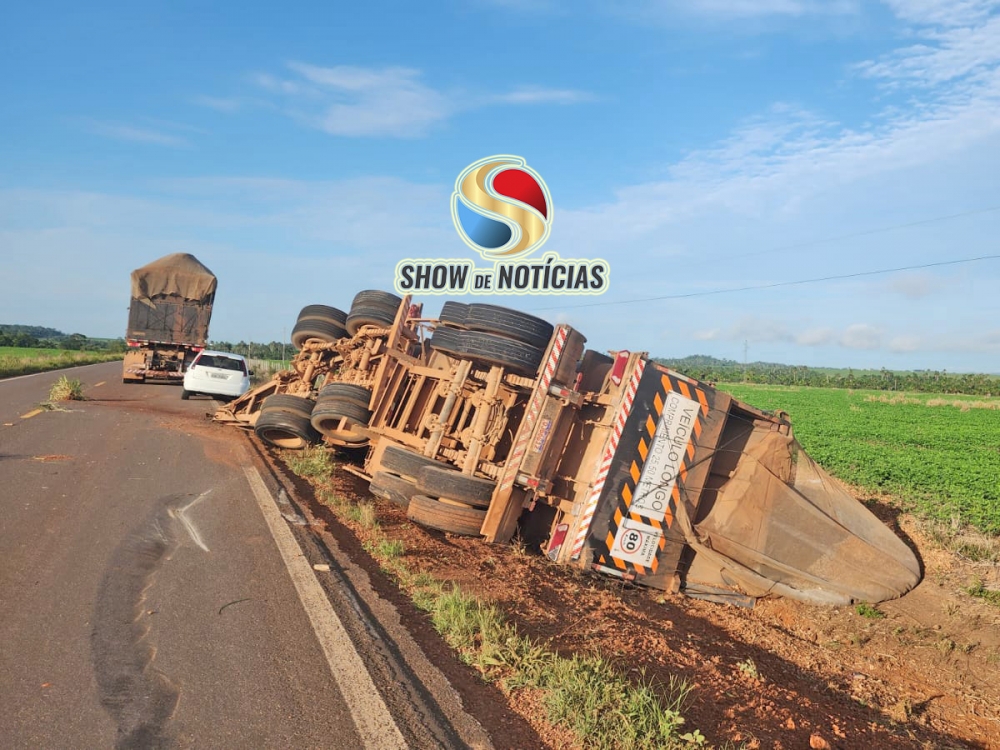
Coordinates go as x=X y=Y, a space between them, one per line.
x=375 y=725
x=49 y=372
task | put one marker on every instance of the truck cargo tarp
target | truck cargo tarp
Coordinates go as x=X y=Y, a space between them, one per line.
x=179 y=274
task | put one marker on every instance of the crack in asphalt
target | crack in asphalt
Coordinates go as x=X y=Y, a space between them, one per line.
x=140 y=698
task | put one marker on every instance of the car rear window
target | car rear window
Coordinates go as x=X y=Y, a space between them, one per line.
x=223 y=363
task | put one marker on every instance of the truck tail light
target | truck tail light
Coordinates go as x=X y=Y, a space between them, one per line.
x=618 y=371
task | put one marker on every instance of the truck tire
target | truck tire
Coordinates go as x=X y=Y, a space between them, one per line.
x=285 y=429
x=516 y=356
x=323 y=312
x=326 y=331
x=336 y=419
x=510 y=323
x=393 y=488
x=453 y=313
x=372 y=308
x=293 y=404
x=360 y=317
x=356 y=394
x=377 y=298
x=456 y=486
x=402 y=461
x=454 y=519
x=445 y=340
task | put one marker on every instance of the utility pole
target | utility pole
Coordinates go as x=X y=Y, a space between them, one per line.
x=744 y=360
x=282 y=344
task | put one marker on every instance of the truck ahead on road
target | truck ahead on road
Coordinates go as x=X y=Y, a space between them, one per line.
x=490 y=422
x=168 y=317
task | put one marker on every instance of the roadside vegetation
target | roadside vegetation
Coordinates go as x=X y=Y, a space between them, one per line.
x=715 y=370
x=66 y=389
x=28 y=349
x=584 y=694
x=978 y=589
x=16 y=361
x=927 y=453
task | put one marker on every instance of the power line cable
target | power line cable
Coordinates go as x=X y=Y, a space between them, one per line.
x=774 y=285
x=854 y=235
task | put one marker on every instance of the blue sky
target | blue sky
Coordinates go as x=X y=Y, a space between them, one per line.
x=300 y=151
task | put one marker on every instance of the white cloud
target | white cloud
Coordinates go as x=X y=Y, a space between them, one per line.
x=815 y=337
x=711 y=334
x=945 y=13
x=541 y=95
x=915 y=286
x=775 y=166
x=861 y=336
x=760 y=330
x=220 y=104
x=905 y=344
x=395 y=102
x=958 y=42
x=125 y=132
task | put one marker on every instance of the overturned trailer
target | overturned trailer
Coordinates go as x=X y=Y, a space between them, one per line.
x=486 y=421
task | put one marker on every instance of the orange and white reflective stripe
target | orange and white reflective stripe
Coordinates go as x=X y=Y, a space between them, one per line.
x=513 y=463
x=602 y=473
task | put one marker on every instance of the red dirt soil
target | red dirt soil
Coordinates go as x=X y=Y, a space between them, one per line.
x=782 y=675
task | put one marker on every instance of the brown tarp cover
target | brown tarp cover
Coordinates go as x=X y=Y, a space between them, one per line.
x=179 y=274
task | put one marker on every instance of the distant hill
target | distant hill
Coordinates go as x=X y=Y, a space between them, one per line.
x=35 y=332
x=23 y=336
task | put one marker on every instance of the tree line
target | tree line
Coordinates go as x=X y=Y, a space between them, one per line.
x=274 y=350
x=921 y=381
x=38 y=337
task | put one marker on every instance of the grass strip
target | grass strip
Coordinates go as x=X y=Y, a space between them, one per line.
x=586 y=694
x=28 y=364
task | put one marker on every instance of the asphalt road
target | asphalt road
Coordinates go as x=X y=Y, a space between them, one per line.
x=146 y=599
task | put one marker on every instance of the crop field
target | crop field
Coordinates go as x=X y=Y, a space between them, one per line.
x=938 y=455
x=24 y=361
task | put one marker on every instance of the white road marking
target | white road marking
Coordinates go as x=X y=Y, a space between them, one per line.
x=375 y=725
x=188 y=524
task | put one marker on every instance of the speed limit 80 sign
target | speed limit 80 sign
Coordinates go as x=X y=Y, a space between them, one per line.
x=636 y=542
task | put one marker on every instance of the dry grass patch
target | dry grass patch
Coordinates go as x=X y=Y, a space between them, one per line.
x=66 y=389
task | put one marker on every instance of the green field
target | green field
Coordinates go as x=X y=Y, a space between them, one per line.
x=24 y=361
x=938 y=455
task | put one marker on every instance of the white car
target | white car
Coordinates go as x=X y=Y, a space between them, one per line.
x=217 y=374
